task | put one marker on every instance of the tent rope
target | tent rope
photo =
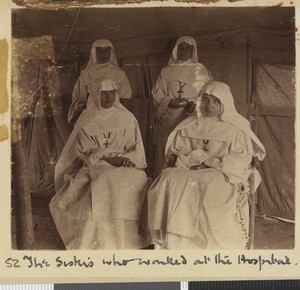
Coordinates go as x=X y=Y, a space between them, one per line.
x=53 y=68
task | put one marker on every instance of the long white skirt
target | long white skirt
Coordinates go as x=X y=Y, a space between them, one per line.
x=102 y=209
x=197 y=209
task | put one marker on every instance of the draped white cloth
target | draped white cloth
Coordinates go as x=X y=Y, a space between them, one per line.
x=188 y=76
x=102 y=203
x=206 y=208
x=94 y=72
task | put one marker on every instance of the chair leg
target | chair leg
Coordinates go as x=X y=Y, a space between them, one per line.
x=252 y=223
x=252 y=212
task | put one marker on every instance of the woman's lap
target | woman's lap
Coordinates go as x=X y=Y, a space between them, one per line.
x=90 y=231
x=213 y=204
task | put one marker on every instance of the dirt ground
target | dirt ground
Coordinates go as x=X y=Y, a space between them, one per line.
x=270 y=233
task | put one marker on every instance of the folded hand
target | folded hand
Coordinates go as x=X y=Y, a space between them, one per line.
x=200 y=166
x=178 y=103
x=119 y=161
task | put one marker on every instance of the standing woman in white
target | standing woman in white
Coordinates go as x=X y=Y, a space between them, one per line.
x=175 y=92
x=102 y=64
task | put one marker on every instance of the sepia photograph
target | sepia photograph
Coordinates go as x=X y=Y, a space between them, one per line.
x=148 y=142
x=158 y=128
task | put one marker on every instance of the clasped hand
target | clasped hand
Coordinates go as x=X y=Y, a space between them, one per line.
x=200 y=166
x=119 y=161
x=178 y=103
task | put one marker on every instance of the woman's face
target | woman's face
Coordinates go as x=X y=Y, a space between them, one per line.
x=107 y=99
x=210 y=106
x=184 y=51
x=102 y=54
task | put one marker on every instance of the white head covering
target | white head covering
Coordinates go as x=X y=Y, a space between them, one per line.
x=189 y=40
x=94 y=110
x=229 y=115
x=222 y=91
x=102 y=43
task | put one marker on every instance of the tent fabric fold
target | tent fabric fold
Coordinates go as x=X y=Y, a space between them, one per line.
x=274 y=92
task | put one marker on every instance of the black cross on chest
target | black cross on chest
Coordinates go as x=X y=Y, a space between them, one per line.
x=181 y=86
x=205 y=143
x=106 y=143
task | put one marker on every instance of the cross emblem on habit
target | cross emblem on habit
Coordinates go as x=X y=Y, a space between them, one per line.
x=181 y=86
x=205 y=143
x=106 y=143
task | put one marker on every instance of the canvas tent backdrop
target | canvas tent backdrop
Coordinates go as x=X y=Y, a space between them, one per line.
x=250 y=49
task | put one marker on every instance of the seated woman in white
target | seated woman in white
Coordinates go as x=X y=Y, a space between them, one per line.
x=99 y=181
x=201 y=203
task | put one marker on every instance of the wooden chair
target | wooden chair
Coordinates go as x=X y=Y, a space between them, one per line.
x=252 y=203
x=252 y=115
